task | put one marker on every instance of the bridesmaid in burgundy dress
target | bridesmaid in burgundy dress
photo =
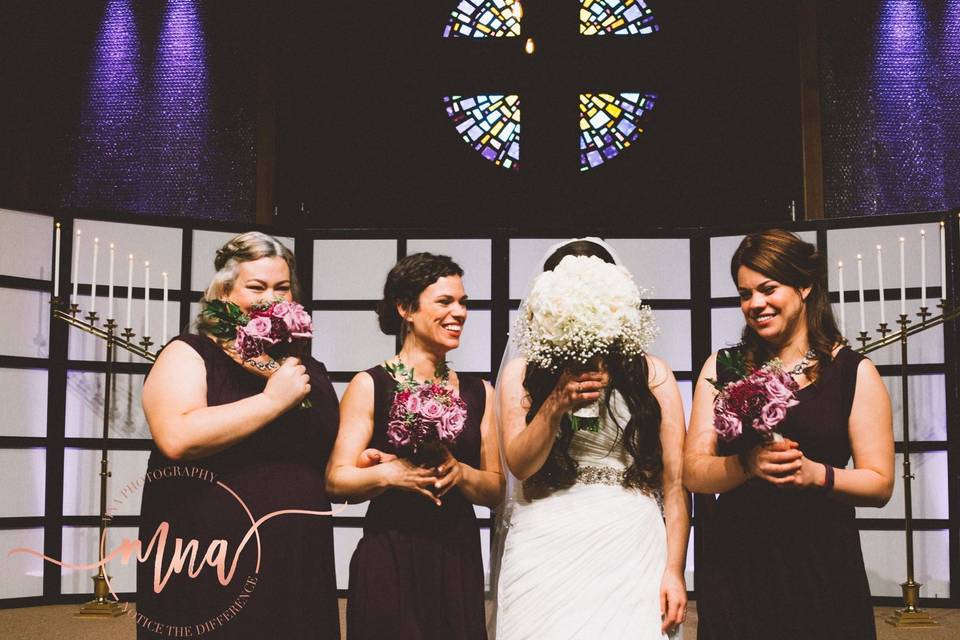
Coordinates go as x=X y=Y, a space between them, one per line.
x=417 y=573
x=229 y=437
x=782 y=555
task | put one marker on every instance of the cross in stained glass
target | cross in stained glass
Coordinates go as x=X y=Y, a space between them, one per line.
x=603 y=61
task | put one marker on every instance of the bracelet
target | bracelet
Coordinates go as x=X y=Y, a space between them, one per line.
x=828 y=478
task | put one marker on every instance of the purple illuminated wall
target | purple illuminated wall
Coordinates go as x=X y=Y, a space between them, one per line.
x=159 y=132
x=890 y=79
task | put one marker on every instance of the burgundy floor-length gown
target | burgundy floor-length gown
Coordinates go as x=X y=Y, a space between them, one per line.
x=787 y=564
x=281 y=466
x=417 y=573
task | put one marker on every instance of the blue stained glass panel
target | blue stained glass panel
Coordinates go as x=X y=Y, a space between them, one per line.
x=482 y=19
x=616 y=17
x=490 y=124
x=609 y=123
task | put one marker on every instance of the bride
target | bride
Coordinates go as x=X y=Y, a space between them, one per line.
x=582 y=549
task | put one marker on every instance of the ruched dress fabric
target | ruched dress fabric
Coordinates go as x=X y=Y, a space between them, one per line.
x=586 y=561
x=281 y=466
x=787 y=564
x=417 y=573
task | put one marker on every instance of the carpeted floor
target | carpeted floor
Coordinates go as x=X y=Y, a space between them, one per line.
x=57 y=623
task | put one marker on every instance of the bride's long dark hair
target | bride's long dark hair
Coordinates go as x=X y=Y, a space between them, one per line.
x=630 y=377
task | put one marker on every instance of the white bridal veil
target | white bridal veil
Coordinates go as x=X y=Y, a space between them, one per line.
x=503 y=515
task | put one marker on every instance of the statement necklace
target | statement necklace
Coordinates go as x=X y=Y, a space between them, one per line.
x=804 y=363
x=404 y=375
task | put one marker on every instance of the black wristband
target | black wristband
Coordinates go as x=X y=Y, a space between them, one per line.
x=828 y=478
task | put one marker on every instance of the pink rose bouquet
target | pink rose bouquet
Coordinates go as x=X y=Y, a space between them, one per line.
x=424 y=420
x=759 y=401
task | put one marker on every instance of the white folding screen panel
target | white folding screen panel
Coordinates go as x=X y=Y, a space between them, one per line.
x=661 y=265
x=726 y=327
x=349 y=340
x=928 y=406
x=473 y=256
x=345 y=541
x=84 y=406
x=80 y=546
x=884 y=554
x=473 y=354
x=673 y=343
x=22 y=476
x=161 y=246
x=845 y=244
x=81 y=481
x=722 y=249
x=351 y=269
x=928 y=489
x=26 y=245
x=23 y=396
x=21 y=574
x=526 y=255
x=204 y=252
x=26 y=323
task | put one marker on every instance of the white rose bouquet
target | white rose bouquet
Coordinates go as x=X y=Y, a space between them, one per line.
x=583 y=309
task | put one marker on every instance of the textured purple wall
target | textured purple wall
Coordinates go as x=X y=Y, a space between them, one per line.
x=890 y=77
x=152 y=137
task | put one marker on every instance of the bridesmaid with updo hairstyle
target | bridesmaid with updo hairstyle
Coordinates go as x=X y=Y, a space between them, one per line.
x=781 y=555
x=417 y=573
x=231 y=444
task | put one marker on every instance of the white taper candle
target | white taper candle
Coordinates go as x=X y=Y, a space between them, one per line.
x=110 y=285
x=863 y=316
x=923 y=267
x=903 y=281
x=163 y=333
x=129 y=325
x=93 y=275
x=76 y=267
x=843 y=311
x=56 y=260
x=883 y=315
x=146 y=298
x=943 y=261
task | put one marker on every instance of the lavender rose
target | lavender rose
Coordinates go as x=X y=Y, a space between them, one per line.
x=772 y=414
x=431 y=409
x=727 y=425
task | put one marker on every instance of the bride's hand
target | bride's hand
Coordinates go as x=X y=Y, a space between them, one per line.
x=673 y=600
x=577 y=390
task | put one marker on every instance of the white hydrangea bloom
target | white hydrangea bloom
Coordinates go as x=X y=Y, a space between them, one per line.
x=584 y=308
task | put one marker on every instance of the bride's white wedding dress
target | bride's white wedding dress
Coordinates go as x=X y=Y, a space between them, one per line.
x=587 y=561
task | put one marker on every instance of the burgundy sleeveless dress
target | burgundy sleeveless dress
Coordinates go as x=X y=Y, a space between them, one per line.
x=417 y=573
x=292 y=593
x=787 y=564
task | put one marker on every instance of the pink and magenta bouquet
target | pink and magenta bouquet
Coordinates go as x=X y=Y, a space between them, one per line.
x=424 y=420
x=759 y=401
x=278 y=328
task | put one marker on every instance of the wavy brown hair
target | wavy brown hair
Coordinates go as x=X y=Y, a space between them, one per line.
x=784 y=257
x=629 y=375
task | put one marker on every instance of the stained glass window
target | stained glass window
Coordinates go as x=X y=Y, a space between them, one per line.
x=490 y=124
x=609 y=123
x=482 y=19
x=617 y=17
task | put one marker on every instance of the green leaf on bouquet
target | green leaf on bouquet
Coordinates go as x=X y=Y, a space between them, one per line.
x=733 y=361
x=224 y=318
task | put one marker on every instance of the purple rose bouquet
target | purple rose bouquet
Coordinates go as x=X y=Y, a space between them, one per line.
x=278 y=328
x=424 y=420
x=759 y=401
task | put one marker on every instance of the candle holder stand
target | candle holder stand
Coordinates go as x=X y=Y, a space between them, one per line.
x=101 y=606
x=911 y=615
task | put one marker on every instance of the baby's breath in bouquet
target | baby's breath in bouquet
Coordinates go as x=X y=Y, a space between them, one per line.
x=582 y=310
